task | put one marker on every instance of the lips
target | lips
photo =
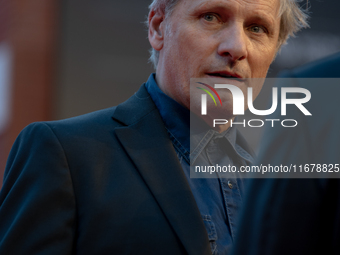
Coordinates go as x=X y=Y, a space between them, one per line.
x=226 y=75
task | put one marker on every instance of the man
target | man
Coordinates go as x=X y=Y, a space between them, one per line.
x=299 y=216
x=116 y=181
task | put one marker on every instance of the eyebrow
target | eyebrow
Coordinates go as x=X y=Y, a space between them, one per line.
x=260 y=15
x=264 y=17
x=269 y=20
x=210 y=5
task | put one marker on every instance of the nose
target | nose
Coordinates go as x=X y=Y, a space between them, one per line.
x=233 y=42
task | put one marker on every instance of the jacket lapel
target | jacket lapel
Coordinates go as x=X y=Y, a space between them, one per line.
x=146 y=141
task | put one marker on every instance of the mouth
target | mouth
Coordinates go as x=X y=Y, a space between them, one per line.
x=226 y=75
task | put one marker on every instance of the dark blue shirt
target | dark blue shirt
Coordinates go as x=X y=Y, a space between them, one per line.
x=218 y=199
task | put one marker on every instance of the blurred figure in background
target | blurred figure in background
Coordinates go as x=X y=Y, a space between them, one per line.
x=298 y=216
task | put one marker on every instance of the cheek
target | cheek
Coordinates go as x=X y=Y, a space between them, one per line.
x=192 y=46
x=256 y=91
x=260 y=60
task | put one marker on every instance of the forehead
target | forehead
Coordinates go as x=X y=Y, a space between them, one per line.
x=242 y=8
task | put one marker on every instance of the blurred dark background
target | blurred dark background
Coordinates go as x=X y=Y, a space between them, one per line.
x=66 y=58
x=103 y=54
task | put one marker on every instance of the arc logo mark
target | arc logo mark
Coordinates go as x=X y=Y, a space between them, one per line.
x=204 y=97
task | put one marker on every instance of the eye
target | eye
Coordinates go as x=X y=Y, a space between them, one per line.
x=209 y=17
x=257 y=29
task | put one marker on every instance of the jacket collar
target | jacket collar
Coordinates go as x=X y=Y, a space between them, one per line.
x=147 y=142
x=135 y=108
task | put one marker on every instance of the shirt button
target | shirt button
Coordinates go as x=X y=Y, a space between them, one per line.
x=230 y=185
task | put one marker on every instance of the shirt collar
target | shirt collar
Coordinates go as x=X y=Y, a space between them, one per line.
x=175 y=116
x=177 y=122
x=200 y=140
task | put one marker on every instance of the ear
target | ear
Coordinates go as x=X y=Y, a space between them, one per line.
x=156 y=29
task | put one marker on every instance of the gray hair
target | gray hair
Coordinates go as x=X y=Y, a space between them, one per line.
x=293 y=19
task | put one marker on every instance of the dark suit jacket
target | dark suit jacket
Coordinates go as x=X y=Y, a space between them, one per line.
x=298 y=216
x=108 y=182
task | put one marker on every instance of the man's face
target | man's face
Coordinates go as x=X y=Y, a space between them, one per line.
x=216 y=39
